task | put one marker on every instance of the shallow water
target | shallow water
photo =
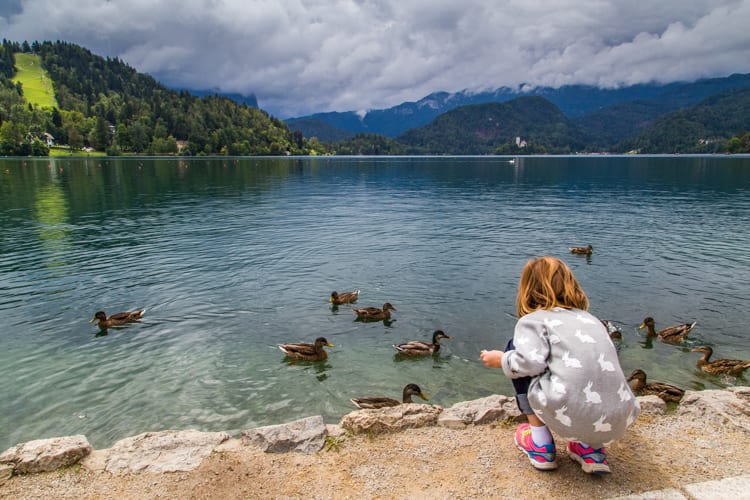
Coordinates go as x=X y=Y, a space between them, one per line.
x=233 y=256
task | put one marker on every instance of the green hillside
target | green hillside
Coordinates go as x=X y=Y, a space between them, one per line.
x=37 y=87
x=485 y=128
x=105 y=105
x=704 y=128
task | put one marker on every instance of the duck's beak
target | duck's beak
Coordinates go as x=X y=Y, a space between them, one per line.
x=421 y=395
x=330 y=345
x=330 y=299
x=92 y=319
x=643 y=325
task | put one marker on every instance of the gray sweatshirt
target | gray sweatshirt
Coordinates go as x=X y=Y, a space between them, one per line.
x=578 y=388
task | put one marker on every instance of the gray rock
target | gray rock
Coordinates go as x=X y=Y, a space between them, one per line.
x=6 y=471
x=652 y=404
x=166 y=451
x=718 y=407
x=479 y=411
x=45 y=455
x=306 y=435
x=391 y=419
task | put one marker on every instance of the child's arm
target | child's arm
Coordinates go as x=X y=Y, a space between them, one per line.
x=529 y=357
x=492 y=359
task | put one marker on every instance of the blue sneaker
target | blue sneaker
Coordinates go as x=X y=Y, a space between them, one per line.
x=592 y=460
x=541 y=457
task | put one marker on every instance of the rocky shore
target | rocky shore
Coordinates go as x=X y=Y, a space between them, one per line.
x=409 y=451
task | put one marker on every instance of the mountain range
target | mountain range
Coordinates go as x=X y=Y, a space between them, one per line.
x=615 y=114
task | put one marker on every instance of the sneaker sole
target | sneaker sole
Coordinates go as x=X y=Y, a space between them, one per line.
x=590 y=468
x=537 y=465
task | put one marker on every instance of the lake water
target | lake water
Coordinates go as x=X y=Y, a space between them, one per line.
x=232 y=256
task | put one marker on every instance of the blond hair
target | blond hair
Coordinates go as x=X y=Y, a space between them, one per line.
x=547 y=282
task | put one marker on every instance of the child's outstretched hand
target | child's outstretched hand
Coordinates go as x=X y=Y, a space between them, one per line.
x=492 y=359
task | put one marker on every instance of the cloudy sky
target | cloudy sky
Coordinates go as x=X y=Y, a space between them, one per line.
x=305 y=56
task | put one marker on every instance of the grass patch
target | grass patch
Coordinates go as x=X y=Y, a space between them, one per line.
x=64 y=151
x=37 y=86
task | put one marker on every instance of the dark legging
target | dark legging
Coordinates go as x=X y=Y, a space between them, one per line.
x=521 y=386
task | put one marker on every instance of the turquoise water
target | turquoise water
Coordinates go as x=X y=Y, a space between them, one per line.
x=233 y=256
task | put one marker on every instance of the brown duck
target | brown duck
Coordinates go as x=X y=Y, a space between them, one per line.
x=418 y=348
x=671 y=335
x=117 y=319
x=587 y=250
x=373 y=313
x=343 y=298
x=729 y=366
x=307 y=352
x=383 y=402
x=669 y=393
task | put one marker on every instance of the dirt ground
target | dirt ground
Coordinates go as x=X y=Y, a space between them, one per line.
x=479 y=461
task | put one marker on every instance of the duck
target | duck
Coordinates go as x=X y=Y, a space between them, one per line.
x=418 y=348
x=384 y=402
x=587 y=250
x=668 y=392
x=307 y=352
x=671 y=335
x=729 y=366
x=117 y=319
x=373 y=313
x=343 y=298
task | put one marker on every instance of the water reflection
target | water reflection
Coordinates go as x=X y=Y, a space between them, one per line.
x=52 y=213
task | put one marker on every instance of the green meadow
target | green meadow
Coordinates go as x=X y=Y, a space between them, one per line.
x=37 y=86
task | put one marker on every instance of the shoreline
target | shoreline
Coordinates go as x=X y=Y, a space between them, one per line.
x=703 y=439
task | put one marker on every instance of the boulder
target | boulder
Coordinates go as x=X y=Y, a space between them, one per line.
x=391 y=419
x=652 y=404
x=45 y=455
x=718 y=407
x=166 y=451
x=306 y=435
x=479 y=411
x=6 y=471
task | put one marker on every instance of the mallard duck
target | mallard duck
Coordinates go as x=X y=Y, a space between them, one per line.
x=614 y=332
x=729 y=366
x=383 y=402
x=587 y=250
x=117 y=319
x=418 y=348
x=373 y=313
x=671 y=335
x=669 y=393
x=343 y=298
x=306 y=351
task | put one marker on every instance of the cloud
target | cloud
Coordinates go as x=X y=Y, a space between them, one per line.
x=303 y=56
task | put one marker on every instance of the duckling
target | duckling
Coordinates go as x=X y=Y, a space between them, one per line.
x=383 y=402
x=587 y=250
x=307 y=352
x=669 y=393
x=117 y=319
x=729 y=366
x=671 y=335
x=418 y=348
x=343 y=298
x=373 y=313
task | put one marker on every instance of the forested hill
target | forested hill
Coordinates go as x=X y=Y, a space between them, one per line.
x=494 y=127
x=108 y=106
x=719 y=123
